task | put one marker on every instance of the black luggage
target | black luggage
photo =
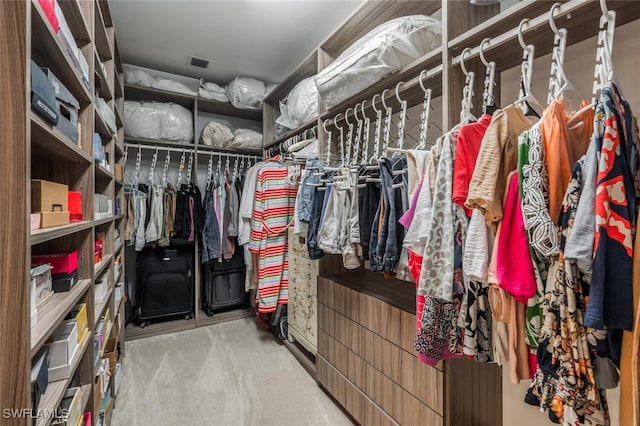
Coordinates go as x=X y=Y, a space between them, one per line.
x=165 y=284
x=223 y=285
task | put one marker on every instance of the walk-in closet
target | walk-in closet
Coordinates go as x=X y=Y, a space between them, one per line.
x=327 y=212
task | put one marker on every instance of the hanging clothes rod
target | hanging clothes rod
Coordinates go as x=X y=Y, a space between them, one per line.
x=533 y=24
x=208 y=152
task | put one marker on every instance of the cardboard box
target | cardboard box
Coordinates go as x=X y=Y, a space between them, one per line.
x=50 y=219
x=117 y=171
x=41 y=283
x=49 y=196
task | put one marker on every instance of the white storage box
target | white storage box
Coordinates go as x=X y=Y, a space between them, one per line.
x=41 y=284
x=119 y=294
x=64 y=343
x=117 y=378
x=101 y=288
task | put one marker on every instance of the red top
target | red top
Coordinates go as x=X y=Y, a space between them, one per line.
x=467 y=148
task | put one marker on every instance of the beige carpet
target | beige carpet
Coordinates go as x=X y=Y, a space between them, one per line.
x=225 y=374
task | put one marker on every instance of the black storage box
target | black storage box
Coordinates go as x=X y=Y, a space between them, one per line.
x=64 y=282
x=43 y=95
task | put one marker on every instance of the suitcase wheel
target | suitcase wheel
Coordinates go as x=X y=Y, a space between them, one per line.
x=188 y=316
x=144 y=324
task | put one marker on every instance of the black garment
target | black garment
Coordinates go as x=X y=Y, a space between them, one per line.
x=314 y=225
x=368 y=201
x=183 y=224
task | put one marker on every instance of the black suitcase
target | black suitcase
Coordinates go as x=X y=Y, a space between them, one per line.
x=165 y=285
x=223 y=285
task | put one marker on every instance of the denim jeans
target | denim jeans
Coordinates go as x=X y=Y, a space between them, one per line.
x=389 y=235
x=369 y=200
x=314 y=224
x=211 y=233
x=307 y=191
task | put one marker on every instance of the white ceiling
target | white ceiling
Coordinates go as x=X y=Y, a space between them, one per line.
x=264 y=39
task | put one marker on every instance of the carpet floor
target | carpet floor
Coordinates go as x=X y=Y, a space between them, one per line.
x=226 y=374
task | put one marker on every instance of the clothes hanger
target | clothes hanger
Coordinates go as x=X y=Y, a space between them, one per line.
x=190 y=167
x=152 y=170
x=387 y=126
x=138 y=162
x=349 y=136
x=165 y=170
x=181 y=168
x=604 y=63
x=403 y=116
x=367 y=129
x=376 y=139
x=559 y=84
x=526 y=101
x=358 y=139
x=488 y=100
x=467 y=94
x=340 y=138
x=426 y=111
x=209 y=172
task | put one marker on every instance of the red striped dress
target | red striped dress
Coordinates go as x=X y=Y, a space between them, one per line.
x=273 y=210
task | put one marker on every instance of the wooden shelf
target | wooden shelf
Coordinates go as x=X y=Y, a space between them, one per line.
x=117 y=279
x=55 y=390
x=139 y=93
x=86 y=393
x=309 y=124
x=53 y=312
x=76 y=20
x=118 y=114
x=160 y=143
x=43 y=235
x=51 y=142
x=100 y=222
x=118 y=248
x=102 y=129
x=104 y=89
x=579 y=17
x=225 y=108
x=118 y=62
x=99 y=308
x=119 y=91
x=106 y=12
x=119 y=149
x=47 y=51
x=100 y=267
x=101 y=172
x=118 y=182
x=103 y=47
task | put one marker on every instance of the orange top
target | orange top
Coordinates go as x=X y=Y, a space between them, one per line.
x=566 y=138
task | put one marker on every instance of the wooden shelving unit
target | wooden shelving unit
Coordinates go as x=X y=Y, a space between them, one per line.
x=40 y=151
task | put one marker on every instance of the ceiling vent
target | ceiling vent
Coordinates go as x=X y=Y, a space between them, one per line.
x=199 y=62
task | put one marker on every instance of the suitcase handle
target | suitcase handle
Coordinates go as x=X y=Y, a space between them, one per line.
x=53 y=207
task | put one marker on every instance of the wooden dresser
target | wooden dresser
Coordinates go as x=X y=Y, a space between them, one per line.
x=366 y=360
